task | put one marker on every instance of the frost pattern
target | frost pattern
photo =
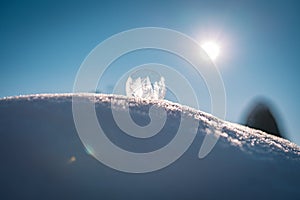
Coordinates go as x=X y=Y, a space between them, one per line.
x=143 y=88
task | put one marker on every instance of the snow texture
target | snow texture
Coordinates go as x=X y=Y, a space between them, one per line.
x=43 y=157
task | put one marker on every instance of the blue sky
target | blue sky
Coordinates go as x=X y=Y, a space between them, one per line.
x=43 y=44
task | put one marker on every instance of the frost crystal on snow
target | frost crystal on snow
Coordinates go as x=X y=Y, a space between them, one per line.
x=143 y=88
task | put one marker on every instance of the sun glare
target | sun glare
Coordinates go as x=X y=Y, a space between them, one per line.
x=212 y=49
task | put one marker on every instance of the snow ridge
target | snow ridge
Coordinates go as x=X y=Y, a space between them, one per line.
x=244 y=138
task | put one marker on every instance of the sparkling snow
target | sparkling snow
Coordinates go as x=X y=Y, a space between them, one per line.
x=42 y=156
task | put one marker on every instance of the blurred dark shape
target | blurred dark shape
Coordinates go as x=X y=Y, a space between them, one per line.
x=261 y=116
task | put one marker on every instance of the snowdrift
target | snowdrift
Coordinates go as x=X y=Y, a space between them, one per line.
x=42 y=156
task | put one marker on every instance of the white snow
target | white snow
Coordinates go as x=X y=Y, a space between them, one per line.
x=247 y=139
x=43 y=157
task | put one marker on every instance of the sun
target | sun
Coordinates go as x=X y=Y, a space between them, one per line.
x=212 y=49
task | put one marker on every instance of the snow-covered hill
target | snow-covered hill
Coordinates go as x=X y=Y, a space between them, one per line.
x=42 y=156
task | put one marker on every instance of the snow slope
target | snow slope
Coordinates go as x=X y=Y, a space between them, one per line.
x=42 y=156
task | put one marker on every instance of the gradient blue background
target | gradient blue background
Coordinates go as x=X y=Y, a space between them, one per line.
x=43 y=44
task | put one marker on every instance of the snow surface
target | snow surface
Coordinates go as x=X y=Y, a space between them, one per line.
x=43 y=157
